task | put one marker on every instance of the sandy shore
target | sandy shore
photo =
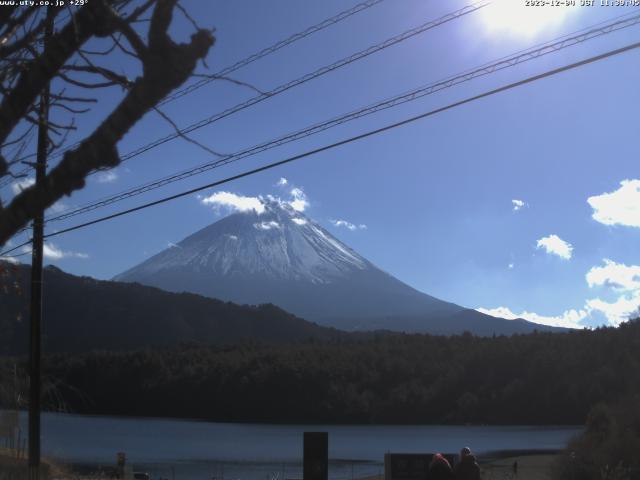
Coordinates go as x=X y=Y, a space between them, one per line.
x=530 y=467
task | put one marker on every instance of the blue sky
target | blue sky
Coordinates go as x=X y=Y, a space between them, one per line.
x=522 y=204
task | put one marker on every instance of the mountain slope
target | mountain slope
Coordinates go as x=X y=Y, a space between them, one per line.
x=280 y=256
x=83 y=314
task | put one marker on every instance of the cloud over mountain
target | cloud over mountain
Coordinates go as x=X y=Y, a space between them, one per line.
x=620 y=207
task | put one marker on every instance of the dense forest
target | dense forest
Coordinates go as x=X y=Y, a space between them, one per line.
x=84 y=314
x=540 y=378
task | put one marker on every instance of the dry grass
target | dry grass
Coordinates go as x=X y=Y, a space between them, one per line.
x=530 y=467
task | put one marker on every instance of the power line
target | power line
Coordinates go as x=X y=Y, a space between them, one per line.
x=352 y=139
x=407 y=34
x=5 y=257
x=339 y=17
x=271 y=49
x=13 y=249
x=10 y=179
x=304 y=79
x=505 y=62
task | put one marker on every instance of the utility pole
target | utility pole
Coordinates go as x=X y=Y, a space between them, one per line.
x=35 y=340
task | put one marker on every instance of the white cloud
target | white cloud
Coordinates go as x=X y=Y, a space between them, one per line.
x=108 y=176
x=348 y=225
x=299 y=201
x=12 y=260
x=517 y=204
x=266 y=225
x=569 y=319
x=173 y=245
x=500 y=312
x=553 y=244
x=20 y=185
x=299 y=221
x=511 y=266
x=232 y=237
x=621 y=207
x=234 y=202
x=58 y=207
x=616 y=275
x=621 y=278
x=52 y=252
x=620 y=310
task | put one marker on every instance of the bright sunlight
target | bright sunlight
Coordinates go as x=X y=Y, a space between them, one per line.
x=522 y=18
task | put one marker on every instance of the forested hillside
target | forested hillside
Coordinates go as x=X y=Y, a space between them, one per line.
x=84 y=314
x=539 y=378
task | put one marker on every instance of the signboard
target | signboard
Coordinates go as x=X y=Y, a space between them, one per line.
x=410 y=466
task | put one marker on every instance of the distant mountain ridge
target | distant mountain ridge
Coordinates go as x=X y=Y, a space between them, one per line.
x=280 y=256
x=83 y=314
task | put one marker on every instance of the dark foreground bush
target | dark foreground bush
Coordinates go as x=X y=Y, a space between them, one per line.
x=609 y=448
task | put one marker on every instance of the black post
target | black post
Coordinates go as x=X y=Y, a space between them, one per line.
x=315 y=456
x=35 y=340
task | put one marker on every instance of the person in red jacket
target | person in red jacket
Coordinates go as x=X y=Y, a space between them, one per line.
x=439 y=468
x=467 y=468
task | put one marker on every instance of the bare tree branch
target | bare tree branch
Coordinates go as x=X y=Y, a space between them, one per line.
x=29 y=37
x=104 y=72
x=66 y=98
x=231 y=80
x=69 y=109
x=185 y=137
x=140 y=11
x=165 y=66
x=118 y=43
x=134 y=40
x=96 y=18
x=188 y=16
x=81 y=84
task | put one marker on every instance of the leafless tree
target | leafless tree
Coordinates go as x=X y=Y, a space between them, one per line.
x=26 y=68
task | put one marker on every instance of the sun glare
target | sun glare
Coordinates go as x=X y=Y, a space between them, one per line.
x=514 y=17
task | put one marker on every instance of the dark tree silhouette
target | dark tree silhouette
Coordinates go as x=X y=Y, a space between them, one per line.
x=25 y=69
x=543 y=378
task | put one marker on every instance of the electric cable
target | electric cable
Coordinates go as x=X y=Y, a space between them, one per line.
x=412 y=95
x=510 y=86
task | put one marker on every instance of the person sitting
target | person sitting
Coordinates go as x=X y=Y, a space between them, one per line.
x=467 y=468
x=439 y=468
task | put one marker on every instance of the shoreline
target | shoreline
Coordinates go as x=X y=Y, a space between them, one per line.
x=530 y=466
x=497 y=455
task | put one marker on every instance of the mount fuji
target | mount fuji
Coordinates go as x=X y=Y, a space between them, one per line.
x=275 y=254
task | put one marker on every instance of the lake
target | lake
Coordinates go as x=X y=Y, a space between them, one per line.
x=190 y=450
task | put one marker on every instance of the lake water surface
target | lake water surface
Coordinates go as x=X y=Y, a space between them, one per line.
x=192 y=450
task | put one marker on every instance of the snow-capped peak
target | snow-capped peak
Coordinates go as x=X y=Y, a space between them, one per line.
x=277 y=242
